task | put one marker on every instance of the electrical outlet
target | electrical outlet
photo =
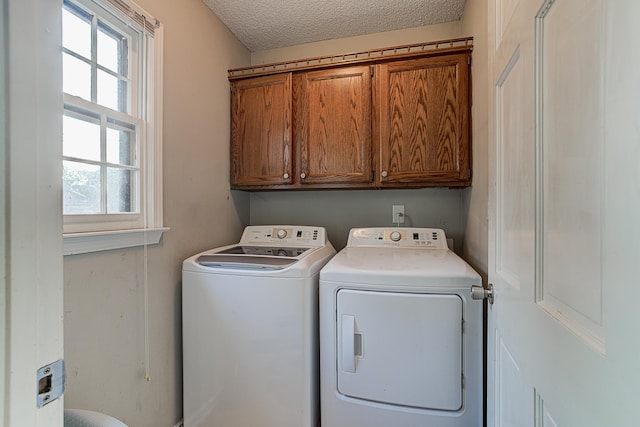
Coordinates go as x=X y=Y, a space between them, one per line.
x=398 y=214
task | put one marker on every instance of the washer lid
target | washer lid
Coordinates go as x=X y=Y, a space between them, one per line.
x=247 y=257
x=246 y=262
x=277 y=251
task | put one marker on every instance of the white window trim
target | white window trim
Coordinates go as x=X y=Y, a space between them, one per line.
x=85 y=242
x=81 y=243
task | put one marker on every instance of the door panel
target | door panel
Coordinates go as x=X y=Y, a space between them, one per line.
x=513 y=398
x=504 y=12
x=514 y=187
x=543 y=416
x=569 y=92
x=395 y=334
x=564 y=202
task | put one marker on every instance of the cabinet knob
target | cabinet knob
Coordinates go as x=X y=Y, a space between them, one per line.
x=303 y=175
x=286 y=176
x=384 y=174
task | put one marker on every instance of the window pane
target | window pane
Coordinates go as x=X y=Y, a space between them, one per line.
x=81 y=137
x=81 y=188
x=76 y=77
x=112 y=92
x=112 y=49
x=76 y=32
x=120 y=146
x=120 y=191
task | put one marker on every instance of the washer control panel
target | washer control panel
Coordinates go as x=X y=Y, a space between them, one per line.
x=428 y=238
x=285 y=235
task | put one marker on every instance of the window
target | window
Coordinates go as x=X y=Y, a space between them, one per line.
x=111 y=123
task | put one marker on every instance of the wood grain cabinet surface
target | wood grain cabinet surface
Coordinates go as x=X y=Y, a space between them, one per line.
x=261 y=151
x=332 y=126
x=400 y=123
x=423 y=113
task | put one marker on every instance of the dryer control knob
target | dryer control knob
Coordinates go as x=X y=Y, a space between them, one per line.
x=281 y=234
x=395 y=236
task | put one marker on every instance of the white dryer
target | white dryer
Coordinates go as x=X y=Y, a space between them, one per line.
x=250 y=329
x=400 y=337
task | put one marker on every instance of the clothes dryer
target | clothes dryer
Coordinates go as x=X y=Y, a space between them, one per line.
x=400 y=337
x=250 y=329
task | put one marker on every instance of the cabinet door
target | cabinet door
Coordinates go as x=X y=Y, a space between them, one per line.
x=261 y=131
x=332 y=110
x=423 y=116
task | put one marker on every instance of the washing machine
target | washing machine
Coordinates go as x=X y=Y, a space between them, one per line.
x=250 y=329
x=400 y=337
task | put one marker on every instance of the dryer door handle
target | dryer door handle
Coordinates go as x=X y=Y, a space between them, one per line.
x=348 y=340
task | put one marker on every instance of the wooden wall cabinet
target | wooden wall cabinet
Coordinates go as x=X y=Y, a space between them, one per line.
x=423 y=121
x=386 y=123
x=332 y=126
x=261 y=151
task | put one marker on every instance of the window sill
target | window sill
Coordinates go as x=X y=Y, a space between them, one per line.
x=81 y=243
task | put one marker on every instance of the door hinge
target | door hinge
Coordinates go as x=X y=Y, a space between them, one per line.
x=469 y=60
x=463 y=326
x=463 y=382
x=372 y=68
x=50 y=382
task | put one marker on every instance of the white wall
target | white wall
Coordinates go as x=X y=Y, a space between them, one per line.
x=475 y=199
x=3 y=212
x=444 y=31
x=104 y=292
x=341 y=210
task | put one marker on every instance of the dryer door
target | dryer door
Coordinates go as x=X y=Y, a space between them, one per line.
x=400 y=348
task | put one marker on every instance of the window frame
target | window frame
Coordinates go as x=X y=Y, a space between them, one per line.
x=75 y=106
x=94 y=232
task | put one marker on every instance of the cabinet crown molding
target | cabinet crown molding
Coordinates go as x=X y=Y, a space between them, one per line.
x=368 y=56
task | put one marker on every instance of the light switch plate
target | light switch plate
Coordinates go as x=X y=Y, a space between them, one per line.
x=398 y=214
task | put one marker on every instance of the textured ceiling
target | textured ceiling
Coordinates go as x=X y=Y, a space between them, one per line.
x=270 y=24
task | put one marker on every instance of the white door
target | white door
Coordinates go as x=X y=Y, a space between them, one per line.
x=30 y=206
x=563 y=335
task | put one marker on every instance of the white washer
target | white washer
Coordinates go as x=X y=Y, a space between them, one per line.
x=400 y=337
x=250 y=329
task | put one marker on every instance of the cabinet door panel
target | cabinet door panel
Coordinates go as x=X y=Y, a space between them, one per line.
x=423 y=118
x=333 y=125
x=261 y=131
